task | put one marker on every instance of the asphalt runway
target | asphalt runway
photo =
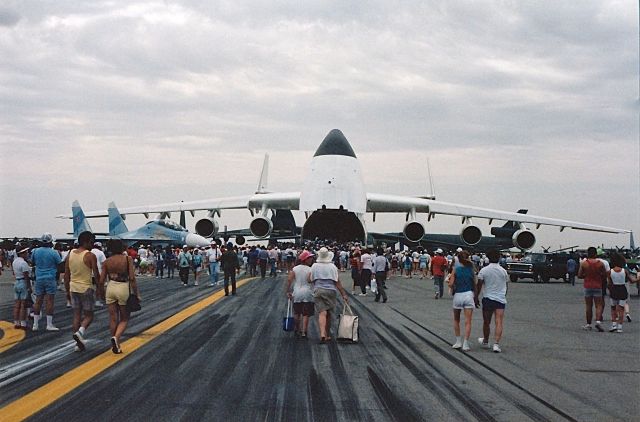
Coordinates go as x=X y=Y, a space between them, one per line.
x=231 y=361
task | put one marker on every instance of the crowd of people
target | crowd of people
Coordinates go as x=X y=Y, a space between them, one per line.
x=90 y=278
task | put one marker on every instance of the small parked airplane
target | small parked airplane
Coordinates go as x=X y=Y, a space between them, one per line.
x=334 y=201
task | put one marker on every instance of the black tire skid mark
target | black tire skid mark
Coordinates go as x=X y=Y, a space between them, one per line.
x=533 y=414
x=478 y=411
x=344 y=386
x=397 y=409
x=429 y=384
x=321 y=406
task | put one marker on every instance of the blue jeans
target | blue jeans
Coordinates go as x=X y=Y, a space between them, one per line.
x=213 y=272
x=273 y=267
x=438 y=282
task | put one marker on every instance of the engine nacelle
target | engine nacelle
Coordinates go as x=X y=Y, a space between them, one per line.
x=261 y=227
x=471 y=235
x=207 y=227
x=413 y=231
x=240 y=239
x=523 y=239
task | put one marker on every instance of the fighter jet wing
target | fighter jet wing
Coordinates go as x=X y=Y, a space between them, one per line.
x=381 y=203
x=286 y=200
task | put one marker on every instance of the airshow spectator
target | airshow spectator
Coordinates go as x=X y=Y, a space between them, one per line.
x=355 y=270
x=463 y=281
x=593 y=272
x=302 y=295
x=324 y=276
x=230 y=264
x=263 y=260
x=21 y=288
x=380 y=268
x=100 y=258
x=366 y=269
x=572 y=269
x=119 y=270
x=213 y=257
x=81 y=268
x=46 y=261
x=184 y=264
x=616 y=281
x=438 y=267
x=494 y=278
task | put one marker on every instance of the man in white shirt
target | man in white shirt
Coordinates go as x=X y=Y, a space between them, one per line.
x=380 y=268
x=100 y=257
x=213 y=257
x=494 y=278
x=366 y=267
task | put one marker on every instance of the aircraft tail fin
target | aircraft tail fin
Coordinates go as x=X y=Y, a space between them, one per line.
x=116 y=222
x=632 y=243
x=80 y=223
x=264 y=175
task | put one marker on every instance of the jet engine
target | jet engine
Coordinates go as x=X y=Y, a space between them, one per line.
x=207 y=227
x=524 y=239
x=413 y=231
x=240 y=239
x=471 y=235
x=261 y=227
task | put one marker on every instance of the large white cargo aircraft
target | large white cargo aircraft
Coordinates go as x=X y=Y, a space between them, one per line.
x=335 y=201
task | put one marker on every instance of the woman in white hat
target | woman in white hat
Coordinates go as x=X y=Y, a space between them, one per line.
x=324 y=276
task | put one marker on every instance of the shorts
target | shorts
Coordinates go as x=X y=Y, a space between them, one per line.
x=593 y=292
x=46 y=287
x=423 y=266
x=619 y=302
x=492 y=305
x=304 y=308
x=117 y=292
x=463 y=300
x=20 y=290
x=325 y=300
x=83 y=301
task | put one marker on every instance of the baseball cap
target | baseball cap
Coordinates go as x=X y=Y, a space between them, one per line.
x=47 y=238
x=439 y=251
x=459 y=250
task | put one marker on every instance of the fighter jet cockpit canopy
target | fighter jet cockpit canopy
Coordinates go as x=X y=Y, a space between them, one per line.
x=169 y=224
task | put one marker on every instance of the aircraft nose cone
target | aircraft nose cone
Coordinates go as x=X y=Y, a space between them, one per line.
x=335 y=143
x=195 y=240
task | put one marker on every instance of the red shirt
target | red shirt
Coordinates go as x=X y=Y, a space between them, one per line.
x=593 y=272
x=438 y=263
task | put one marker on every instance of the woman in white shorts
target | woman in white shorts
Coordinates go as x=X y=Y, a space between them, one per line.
x=616 y=281
x=463 y=283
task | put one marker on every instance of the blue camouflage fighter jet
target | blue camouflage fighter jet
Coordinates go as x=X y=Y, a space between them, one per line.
x=160 y=231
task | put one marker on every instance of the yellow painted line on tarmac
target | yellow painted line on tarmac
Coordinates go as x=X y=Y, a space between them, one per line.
x=11 y=337
x=33 y=402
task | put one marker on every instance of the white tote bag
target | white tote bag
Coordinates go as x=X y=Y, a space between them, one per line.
x=348 y=325
x=374 y=286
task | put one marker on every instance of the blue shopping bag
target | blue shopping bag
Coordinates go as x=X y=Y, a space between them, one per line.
x=288 y=323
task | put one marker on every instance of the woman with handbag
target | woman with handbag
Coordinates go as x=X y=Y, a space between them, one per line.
x=122 y=282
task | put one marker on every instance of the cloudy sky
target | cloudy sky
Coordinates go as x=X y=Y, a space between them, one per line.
x=527 y=104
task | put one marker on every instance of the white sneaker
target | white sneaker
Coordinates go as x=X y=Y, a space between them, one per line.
x=496 y=348
x=619 y=330
x=457 y=345
x=465 y=346
x=362 y=294
x=34 y=327
x=614 y=327
x=68 y=304
x=587 y=327
x=599 y=326
x=628 y=317
x=196 y=283
x=482 y=343
x=52 y=328
x=77 y=349
x=80 y=341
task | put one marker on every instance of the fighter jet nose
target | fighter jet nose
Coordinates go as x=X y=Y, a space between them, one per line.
x=195 y=240
x=335 y=143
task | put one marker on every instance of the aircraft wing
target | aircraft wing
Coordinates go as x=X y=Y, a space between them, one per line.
x=381 y=203
x=287 y=200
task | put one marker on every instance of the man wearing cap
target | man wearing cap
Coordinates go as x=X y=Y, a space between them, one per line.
x=230 y=264
x=100 y=258
x=184 y=265
x=46 y=261
x=438 y=266
x=213 y=257
x=21 y=288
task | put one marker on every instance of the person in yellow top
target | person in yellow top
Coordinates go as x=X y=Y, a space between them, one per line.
x=80 y=266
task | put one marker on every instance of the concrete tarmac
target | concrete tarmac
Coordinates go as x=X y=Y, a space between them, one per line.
x=232 y=361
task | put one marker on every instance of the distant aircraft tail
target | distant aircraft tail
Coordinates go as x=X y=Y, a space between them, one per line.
x=116 y=222
x=509 y=228
x=80 y=223
x=513 y=224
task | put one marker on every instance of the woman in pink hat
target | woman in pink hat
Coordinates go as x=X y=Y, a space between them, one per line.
x=302 y=295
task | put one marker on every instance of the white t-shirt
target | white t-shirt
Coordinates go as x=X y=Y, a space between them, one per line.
x=213 y=254
x=379 y=264
x=367 y=262
x=301 y=288
x=324 y=275
x=142 y=253
x=100 y=257
x=495 y=282
x=20 y=267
